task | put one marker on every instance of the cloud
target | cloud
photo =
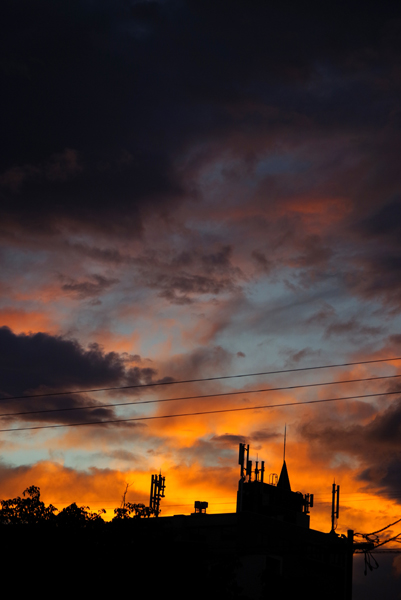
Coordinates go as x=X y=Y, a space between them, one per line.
x=352 y=327
x=325 y=313
x=118 y=147
x=230 y=440
x=103 y=255
x=181 y=289
x=374 y=444
x=264 y=435
x=295 y=357
x=203 y=359
x=65 y=411
x=39 y=363
x=184 y=277
x=263 y=263
x=233 y=440
x=59 y=167
x=384 y=223
x=55 y=362
x=89 y=289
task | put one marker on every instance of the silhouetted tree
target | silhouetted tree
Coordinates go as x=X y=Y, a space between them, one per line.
x=132 y=511
x=79 y=516
x=27 y=510
x=30 y=510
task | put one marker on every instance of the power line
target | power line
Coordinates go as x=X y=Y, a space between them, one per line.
x=379 y=530
x=194 y=414
x=175 y=399
x=159 y=383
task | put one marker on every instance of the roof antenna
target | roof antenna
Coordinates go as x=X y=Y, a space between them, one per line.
x=283 y=480
x=285 y=440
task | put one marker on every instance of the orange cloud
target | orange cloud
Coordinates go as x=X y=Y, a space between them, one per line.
x=21 y=321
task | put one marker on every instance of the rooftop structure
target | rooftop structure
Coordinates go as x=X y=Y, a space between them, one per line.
x=265 y=549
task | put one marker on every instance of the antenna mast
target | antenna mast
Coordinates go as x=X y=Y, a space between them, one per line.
x=285 y=440
x=157 y=488
x=335 y=506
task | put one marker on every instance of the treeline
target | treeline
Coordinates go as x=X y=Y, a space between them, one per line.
x=30 y=510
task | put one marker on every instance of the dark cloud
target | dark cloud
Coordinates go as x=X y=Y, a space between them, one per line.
x=377 y=276
x=233 y=440
x=395 y=339
x=263 y=435
x=325 y=313
x=207 y=359
x=59 y=167
x=206 y=452
x=183 y=289
x=384 y=223
x=187 y=276
x=218 y=261
x=263 y=263
x=374 y=269
x=65 y=410
x=230 y=440
x=375 y=445
x=103 y=255
x=41 y=363
x=106 y=98
x=54 y=362
x=87 y=89
x=89 y=198
x=124 y=455
x=313 y=252
x=296 y=356
x=352 y=328
x=89 y=289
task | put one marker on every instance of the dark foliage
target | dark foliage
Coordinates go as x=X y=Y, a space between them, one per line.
x=137 y=511
x=27 y=510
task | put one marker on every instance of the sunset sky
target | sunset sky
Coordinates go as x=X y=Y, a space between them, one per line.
x=191 y=190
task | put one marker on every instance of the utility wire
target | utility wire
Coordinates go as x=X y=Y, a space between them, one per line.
x=206 y=412
x=379 y=530
x=159 y=383
x=289 y=387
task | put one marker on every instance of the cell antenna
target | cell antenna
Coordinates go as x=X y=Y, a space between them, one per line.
x=335 y=506
x=157 y=488
x=242 y=461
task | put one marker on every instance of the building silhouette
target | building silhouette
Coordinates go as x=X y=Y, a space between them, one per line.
x=266 y=549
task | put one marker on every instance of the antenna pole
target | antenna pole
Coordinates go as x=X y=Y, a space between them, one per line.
x=285 y=440
x=335 y=506
x=242 y=461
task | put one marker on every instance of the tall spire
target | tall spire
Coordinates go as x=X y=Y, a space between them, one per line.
x=284 y=480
